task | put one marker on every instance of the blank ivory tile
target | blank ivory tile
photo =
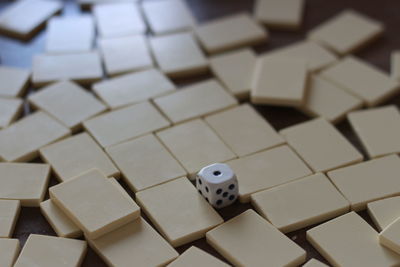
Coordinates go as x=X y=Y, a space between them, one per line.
x=49 y=251
x=75 y=155
x=314 y=263
x=378 y=129
x=22 y=19
x=368 y=181
x=178 y=54
x=136 y=160
x=135 y=243
x=118 y=19
x=14 y=81
x=350 y=241
x=316 y=56
x=166 y=16
x=61 y=224
x=244 y=130
x=196 y=100
x=235 y=70
x=126 y=123
x=230 y=32
x=361 y=79
x=133 y=88
x=281 y=14
x=394 y=65
x=384 y=211
x=185 y=217
x=249 y=240
x=21 y=140
x=329 y=101
x=106 y=207
x=125 y=54
x=196 y=257
x=26 y=182
x=9 y=212
x=195 y=145
x=68 y=103
x=347 y=32
x=70 y=34
x=267 y=169
x=9 y=249
x=389 y=237
x=83 y=68
x=300 y=203
x=10 y=109
x=321 y=145
x=279 y=81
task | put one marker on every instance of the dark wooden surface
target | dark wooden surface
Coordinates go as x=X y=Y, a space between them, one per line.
x=16 y=53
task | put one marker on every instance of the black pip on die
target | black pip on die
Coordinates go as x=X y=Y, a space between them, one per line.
x=218 y=184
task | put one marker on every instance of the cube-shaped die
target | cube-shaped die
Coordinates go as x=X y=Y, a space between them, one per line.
x=218 y=184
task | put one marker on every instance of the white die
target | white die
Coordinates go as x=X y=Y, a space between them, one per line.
x=218 y=184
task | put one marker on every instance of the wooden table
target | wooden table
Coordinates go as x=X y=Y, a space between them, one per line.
x=15 y=53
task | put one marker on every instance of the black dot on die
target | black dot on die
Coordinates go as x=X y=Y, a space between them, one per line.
x=207 y=199
x=200 y=192
x=231 y=186
x=225 y=194
x=207 y=189
x=199 y=181
x=231 y=197
x=219 y=202
x=219 y=191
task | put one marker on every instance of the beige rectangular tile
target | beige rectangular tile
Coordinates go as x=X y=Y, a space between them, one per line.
x=384 y=211
x=347 y=32
x=300 y=203
x=130 y=244
x=75 y=155
x=48 y=251
x=314 y=263
x=118 y=18
x=280 y=14
x=235 y=70
x=378 y=129
x=61 y=224
x=185 y=217
x=230 y=32
x=368 y=181
x=26 y=182
x=350 y=241
x=83 y=68
x=279 y=81
x=133 y=88
x=70 y=34
x=361 y=79
x=105 y=209
x=136 y=160
x=195 y=145
x=196 y=257
x=196 y=100
x=321 y=145
x=244 y=130
x=126 y=123
x=9 y=210
x=178 y=54
x=316 y=56
x=395 y=65
x=249 y=240
x=125 y=54
x=22 y=19
x=166 y=16
x=267 y=169
x=389 y=237
x=9 y=250
x=21 y=140
x=68 y=103
x=14 y=81
x=10 y=109
x=329 y=101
